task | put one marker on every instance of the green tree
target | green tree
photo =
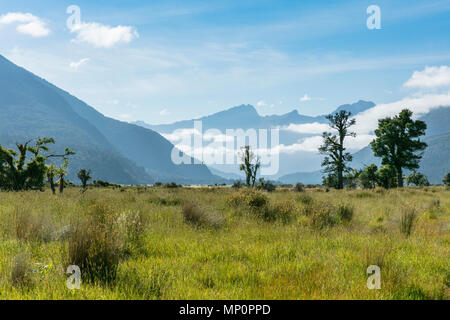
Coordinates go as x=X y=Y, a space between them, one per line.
x=250 y=165
x=397 y=142
x=446 y=180
x=22 y=171
x=368 y=177
x=62 y=172
x=52 y=172
x=84 y=176
x=386 y=177
x=330 y=181
x=336 y=158
x=418 y=179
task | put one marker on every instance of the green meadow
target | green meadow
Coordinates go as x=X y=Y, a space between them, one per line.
x=222 y=243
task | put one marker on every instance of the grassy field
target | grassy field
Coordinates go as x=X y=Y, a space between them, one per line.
x=220 y=243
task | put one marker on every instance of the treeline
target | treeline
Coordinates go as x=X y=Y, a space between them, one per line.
x=397 y=142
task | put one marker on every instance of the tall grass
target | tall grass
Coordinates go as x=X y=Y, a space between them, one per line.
x=146 y=243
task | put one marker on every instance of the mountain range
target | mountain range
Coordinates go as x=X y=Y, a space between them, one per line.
x=139 y=153
x=435 y=162
x=246 y=117
x=115 y=151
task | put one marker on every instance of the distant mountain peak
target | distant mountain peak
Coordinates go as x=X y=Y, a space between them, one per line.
x=356 y=107
x=243 y=108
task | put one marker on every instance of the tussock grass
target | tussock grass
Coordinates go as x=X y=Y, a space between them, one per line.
x=408 y=217
x=200 y=217
x=20 y=273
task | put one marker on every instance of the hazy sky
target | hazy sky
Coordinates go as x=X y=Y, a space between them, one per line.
x=161 y=61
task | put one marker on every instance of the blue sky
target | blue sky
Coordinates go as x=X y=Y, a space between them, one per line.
x=173 y=60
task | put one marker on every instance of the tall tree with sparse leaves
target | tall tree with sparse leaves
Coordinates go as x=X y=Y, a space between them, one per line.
x=398 y=142
x=250 y=165
x=336 y=159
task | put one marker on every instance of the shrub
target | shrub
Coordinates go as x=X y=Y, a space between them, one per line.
x=344 y=212
x=172 y=185
x=278 y=211
x=407 y=220
x=197 y=216
x=101 y=183
x=237 y=199
x=265 y=185
x=237 y=184
x=299 y=187
x=257 y=200
x=322 y=217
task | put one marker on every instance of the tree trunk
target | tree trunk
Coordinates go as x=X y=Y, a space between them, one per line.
x=61 y=184
x=52 y=185
x=399 y=178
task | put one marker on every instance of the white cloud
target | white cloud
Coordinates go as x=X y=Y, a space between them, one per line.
x=164 y=112
x=76 y=64
x=261 y=103
x=430 y=77
x=311 y=128
x=103 y=36
x=367 y=121
x=305 y=98
x=28 y=24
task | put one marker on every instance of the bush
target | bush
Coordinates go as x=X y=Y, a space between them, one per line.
x=322 y=217
x=407 y=220
x=299 y=187
x=237 y=184
x=172 y=185
x=195 y=215
x=237 y=199
x=101 y=183
x=265 y=185
x=257 y=200
x=344 y=212
x=278 y=211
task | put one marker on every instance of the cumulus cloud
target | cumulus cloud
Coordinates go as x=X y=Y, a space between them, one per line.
x=430 y=77
x=103 y=36
x=27 y=23
x=76 y=64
